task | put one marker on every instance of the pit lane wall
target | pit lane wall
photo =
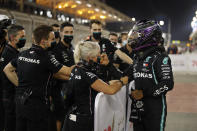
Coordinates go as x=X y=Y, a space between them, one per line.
x=184 y=63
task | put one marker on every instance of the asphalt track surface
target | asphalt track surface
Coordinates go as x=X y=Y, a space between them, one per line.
x=182 y=103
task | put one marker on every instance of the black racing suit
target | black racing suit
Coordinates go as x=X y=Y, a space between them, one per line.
x=8 y=54
x=152 y=73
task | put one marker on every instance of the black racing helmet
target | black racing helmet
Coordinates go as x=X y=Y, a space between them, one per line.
x=145 y=33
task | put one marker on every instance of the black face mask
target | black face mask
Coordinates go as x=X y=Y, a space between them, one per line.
x=2 y=33
x=53 y=44
x=3 y=42
x=114 y=43
x=91 y=65
x=97 y=35
x=94 y=65
x=68 y=39
x=98 y=60
x=57 y=34
x=21 y=43
x=2 y=45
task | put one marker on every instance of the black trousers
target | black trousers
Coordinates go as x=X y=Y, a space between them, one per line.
x=52 y=122
x=1 y=106
x=31 y=116
x=25 y=124
x=151 y=123
x=10 y=114
x=1 y=115
x=82 y=123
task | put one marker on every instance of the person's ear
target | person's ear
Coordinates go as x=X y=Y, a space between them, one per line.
x=88 y=59
x=94 y=59
x=11 y=37
x=42 y=42
x=62 y=34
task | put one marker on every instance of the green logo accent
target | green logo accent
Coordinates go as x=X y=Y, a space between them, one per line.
x=165 y=60
x=147 y=59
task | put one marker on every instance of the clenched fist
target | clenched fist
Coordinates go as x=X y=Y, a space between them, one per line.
x=124 y=80
x=104 y=59
x=137 y=94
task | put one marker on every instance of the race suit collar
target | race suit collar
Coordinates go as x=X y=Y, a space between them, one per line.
x=143 y=54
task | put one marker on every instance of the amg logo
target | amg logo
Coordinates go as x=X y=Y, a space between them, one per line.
x=2 y=59
x=143 y=75
x=29 y=60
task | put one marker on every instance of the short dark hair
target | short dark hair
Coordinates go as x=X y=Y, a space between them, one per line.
x=113 y=33
x=123 y=33
x=14 y=29
x=55 y=25
x=95 y=22
x=42 y=32
x=65 y=24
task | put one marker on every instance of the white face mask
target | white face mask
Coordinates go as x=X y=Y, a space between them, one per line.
x=124 y=42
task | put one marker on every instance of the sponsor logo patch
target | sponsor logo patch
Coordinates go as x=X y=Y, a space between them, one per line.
x=78 y=77
x=142 y=75
x=91 y=75
x=145 y=64
x=31 y=52
x=29 y=60
x=147 y=59
x=145 y=70
x=54 y=61
x=2 y=59
x=165 y=60
x=161 y=90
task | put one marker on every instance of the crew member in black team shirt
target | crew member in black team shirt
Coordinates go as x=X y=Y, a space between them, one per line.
x=82 y=82
x=105 y=44
x=5 y=22
x=63 y=52
x=56 y=29
x=106 y=73
x=16 y=34
x=34 y=68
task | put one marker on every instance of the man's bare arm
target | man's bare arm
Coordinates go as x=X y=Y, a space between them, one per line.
x=124 y=57
x=9 y=70
x=64 y=73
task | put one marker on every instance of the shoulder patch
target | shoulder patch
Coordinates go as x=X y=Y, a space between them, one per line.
x=165 y=60
x=1 y=59
x=91 y=75
x=147 y=59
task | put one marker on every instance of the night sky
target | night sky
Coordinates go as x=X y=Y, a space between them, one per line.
x=179 y=12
